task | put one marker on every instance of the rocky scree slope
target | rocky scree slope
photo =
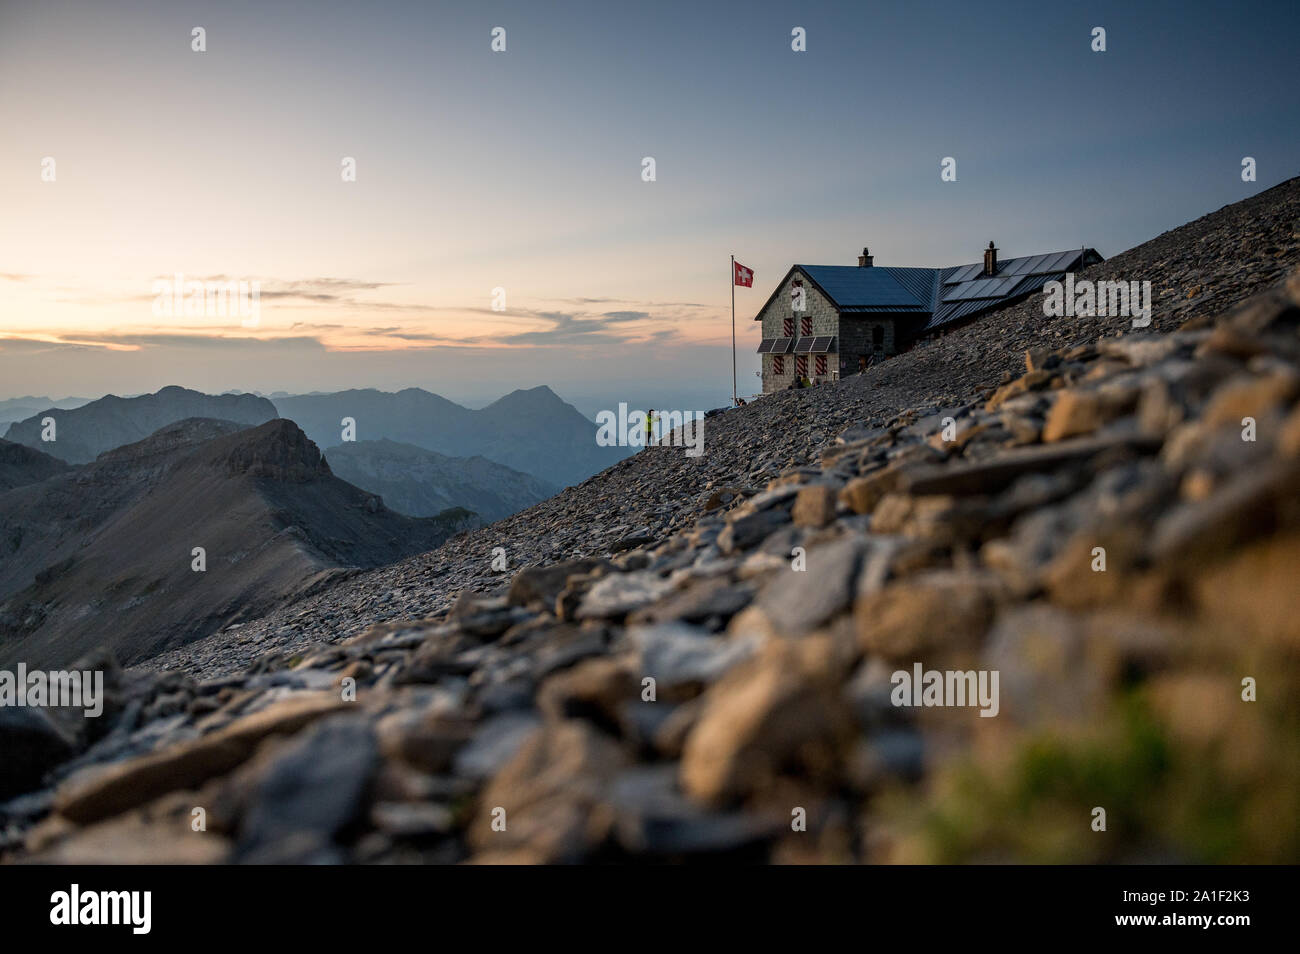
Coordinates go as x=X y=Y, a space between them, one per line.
x=973 y=547
x=1197 y=271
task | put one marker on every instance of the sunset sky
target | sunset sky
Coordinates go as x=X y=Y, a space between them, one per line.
x=522 y=170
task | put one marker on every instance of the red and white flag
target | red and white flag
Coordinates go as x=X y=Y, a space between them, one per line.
x=744 y=276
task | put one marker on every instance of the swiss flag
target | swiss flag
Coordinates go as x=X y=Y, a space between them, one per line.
x=744 y=276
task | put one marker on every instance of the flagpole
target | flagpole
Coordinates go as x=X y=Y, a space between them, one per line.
x=733 y=330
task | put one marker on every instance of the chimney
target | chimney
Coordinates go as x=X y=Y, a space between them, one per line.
x=990 y=260
x=864 y=260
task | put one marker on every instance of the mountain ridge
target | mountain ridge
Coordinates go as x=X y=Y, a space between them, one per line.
x=261 y=503
x=420 y=482
x=83 y=433
x=533 y=431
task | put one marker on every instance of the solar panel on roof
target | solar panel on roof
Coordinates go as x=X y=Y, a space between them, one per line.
x=822 y=343
x=1036 y=263
x=1003 y=286
x=1019 y=266
x=1044 y=264
x=782 y=345
x=765 y=346
x=1069 y=260
x=803 y=345
x=1057 y=262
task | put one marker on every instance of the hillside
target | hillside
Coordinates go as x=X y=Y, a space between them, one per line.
x=43 y=524
x=525 y=691
x=21 y=465
x=114 y=540
x=532 y=431
x=421 y=483
x=1197 y=271
x=85 y=432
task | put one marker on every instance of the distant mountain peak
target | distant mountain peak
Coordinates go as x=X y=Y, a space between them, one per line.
x=277 y=449
x=189 y=431
x=539 y=397
x=531 y=430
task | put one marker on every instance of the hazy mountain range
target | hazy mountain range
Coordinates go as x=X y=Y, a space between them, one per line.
x=98 y=526
x=421 y=483
x=533 y=431
x=19 y=408
x=82 y=434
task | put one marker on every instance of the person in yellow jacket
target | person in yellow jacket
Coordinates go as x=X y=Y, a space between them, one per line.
x=649 y=426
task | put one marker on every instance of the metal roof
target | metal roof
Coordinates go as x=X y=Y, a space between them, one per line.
x=945 y=295
x=919 y=282
x=849 y=286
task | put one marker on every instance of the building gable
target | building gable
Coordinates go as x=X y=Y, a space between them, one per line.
x=818 y=306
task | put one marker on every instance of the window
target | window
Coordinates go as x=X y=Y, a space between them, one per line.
x=878 y=338
x=805 y=325
x=821 y=364
x=778 y=364
x=787 y=328
x=801 y=365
